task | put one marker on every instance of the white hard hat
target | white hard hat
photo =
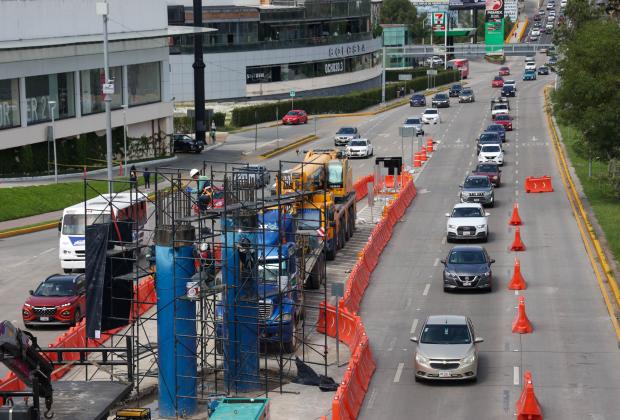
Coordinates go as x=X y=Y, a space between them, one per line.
x=193 y=172
x=204 y=247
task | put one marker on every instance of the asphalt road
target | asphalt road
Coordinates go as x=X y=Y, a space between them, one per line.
x=572 y=352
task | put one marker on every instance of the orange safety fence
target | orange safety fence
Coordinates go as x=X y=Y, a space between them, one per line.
x=361 y=186
x=536 y=185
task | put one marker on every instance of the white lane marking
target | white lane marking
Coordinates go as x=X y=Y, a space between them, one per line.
x=517 y=181
x=392 y=344
x=516 y=193
x=443 y=240
x=399 y=371
x=436 y=263
x=426 y=289
x=373 y=397
x=516 y=163
x=47 y=251
x=414 y=326
x=516 y=171
x=515 y=379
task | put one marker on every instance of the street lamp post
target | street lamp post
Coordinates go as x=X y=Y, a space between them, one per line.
x=125 y=134
x=52 y=105
x=108 y=89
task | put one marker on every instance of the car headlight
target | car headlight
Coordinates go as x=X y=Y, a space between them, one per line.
x=451 y=275
x=487 y=193
x=481 y=226
x=487 y=274
x=421 y=359
x=469 y=359
x=27 y=305
x=451 y=226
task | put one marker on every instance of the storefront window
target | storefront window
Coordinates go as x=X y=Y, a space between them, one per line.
x=91 y=96
x=9 y=103
x=41 y=90
x=144 y=83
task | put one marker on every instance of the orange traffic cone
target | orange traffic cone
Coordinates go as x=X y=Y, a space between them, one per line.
x=417 y=160
x=429 y=145
x=517 y=282
x=423 y=156
x=515 y=220
x=528 y=407
x=521 y=324
x=517 y=244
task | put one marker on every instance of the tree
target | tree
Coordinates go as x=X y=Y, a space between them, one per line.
x=589 y=94
x=404 y=12
x=578 y=12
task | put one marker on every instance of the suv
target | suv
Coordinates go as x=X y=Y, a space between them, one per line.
x=441 y=100
x=345 y=135
x=499 y=109
x=499 y=129
x=467 y=267
x=58 y=300
x=431 y=116
x=477 y=189
x=467 y=221
x=467 y=95
x=508 y=91
x=184 y=143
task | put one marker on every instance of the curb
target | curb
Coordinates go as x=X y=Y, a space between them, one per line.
x=283 y=149
x=24 y=231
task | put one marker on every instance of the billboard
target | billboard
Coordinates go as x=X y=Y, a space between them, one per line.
x=510 y=9
x=494 y=10
x=466 y=4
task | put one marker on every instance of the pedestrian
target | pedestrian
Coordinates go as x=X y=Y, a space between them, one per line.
x=133 y=176
x=297 y=151
x=147 y=178
x=213 y=128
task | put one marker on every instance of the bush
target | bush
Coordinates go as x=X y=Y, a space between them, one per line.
x=348 y=103
x=185 y=124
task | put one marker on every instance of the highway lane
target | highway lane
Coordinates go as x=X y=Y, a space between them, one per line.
x=573 y=344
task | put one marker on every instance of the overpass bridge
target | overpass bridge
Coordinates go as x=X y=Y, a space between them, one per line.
x=466 y=50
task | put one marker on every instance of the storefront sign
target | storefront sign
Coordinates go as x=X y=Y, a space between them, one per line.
x=346 y=50
x=335 y=67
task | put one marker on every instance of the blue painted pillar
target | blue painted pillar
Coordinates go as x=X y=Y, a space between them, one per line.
x=240 y=274
x=176 y=326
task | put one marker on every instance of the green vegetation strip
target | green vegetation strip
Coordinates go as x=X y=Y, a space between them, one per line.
x=599 y=190
x=283 y=149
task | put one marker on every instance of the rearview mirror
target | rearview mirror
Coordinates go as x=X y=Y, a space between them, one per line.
x=478 y=340
x=492 y=261
x=414 y=339
x=487 y=214
x=31 y=292
x=447 y=214
x=59 y=225
x=443 y=261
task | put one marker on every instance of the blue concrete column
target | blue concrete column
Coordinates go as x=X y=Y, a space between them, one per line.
x=176 y=328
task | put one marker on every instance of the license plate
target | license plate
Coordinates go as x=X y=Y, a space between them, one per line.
x=476 y=200
x=44 y=318
x=466 y=233
x=466 y=283
x=444 y=374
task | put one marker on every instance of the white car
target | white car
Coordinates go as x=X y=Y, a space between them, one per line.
x=549 y=26
x=498 y=109
x=491 y=153
x=467 y=221
x=530 y=58
x=359 y=148
x=434 y=60
x=535 y=32
x=431 y=116
x=511 y=82
x=530 y=65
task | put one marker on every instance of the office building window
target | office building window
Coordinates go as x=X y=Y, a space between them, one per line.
x=91 y=96
x=41 y=90
x=144 y=83
x=9 y=103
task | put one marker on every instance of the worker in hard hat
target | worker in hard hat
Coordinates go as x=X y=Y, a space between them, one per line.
x=194 y=175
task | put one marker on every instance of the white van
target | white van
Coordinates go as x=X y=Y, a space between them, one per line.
x=101 y=209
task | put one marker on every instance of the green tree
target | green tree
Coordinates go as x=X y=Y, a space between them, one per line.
x=588 y=97
x=578 y=12
x=404 y=12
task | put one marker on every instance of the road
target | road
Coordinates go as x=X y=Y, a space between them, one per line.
x=573 y=346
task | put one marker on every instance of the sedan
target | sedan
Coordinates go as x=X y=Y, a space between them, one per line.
x=530 y=65
x=491 y=170
x=345 y=134
x=295 y=116
x=498 y=81
x=441 y=100
x=417 y=100
x=467 y=95
x=499 y=129
x=455 y=90
x=431 y=116
x=359 y=148
x=529 y=75
x=505 y=120
x=543 y=70
x=535 y=32
x=58 y=300
x=184 y=143
x=447 y=349
x=415 y=123
x=491 y=153
x=504 y=71
x=467 y=267
x=488 y=138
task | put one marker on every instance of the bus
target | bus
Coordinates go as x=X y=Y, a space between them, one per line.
x=462 y=64
x=105 y=208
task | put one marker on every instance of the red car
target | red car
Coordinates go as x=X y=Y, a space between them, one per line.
x=498 y=81
x=505 y=120
x=59 y=300
x=491 y=170
x=295 y=116
x=504 y=71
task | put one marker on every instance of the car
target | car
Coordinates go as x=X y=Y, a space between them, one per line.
x=359 y=148
x=446 y=349
x=416 y=123
x=498 y=81
x=499 y=109
x=60 y=299
x=488 y=138
x=543 y=50
x=548 y=28
x=455 y=90
x=491 y=170
x=553 y=60
x=434 y=61
x=417 y=100
x=537 y=17
x=467 y=221
x=541 y=12
x=543 y=70
x=477 y=189
x=491 y=153
x=504 y=71
x=530 y=65
x=431 y=116
x=529 y=75
x=535 y=32
x=530 y=58
x=345 y=134
x=551 y=51
x=295 y=116
x=550 y=6
x=533 y=38
x=184 y=143
x=508 y=91
x=511 y=82
x=551 y=18
x=500 y=100
x=497 y=128
x=467 y=267
x=467 y=95
x=440 y=100
x=505 y=120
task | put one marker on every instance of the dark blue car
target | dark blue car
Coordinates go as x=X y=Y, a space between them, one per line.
x=499 y=129
x=417 y=100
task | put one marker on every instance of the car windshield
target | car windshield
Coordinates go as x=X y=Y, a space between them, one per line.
x=431 y=112
x=500 y=107
x=467 y=256
x=466 y=92
x=486 y=168
x=490 y=149
x=502 y=118
x=467 y=212
x=358 y=143
x=456 y=87
x=293 y=113
x=412 y=121
x=489 y=137
x=418 y=96
x=476 y=182
x=346 y=130
x=441 y=96
x=498 y=78
x=73 y=224
x=495 y=127
x=55 y=288
x=269 y=272
x=445 y=334
x=334 y=174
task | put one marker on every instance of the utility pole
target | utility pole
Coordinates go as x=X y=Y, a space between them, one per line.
x=107 y=89
x=199 y=75
x=383 y=75
x=445 y=40
x=125 y=134
x=52 y=105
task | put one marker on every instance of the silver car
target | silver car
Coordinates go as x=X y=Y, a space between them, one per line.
x=447 y=349
x=345 y=135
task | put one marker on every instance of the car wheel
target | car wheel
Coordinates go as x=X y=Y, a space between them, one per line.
x=474 y=379
x=417 y=378
x=492 y=204
x=446 y=289
x=29 y=326
x=485 y=238
x=448 y=239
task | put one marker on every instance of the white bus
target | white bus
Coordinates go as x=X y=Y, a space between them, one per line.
x=72 y=243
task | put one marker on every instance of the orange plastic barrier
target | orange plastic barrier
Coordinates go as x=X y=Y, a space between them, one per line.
x=538 y=185
x=361 y=186
x=528 y=407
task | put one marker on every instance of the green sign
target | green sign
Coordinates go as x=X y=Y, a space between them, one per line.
x=494 y=36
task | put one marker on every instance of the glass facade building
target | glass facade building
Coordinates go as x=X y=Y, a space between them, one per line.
x=91 y=96
x=41 y=91
x=9 y=103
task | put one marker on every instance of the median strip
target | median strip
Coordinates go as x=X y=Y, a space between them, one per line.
x=289 y=146
x=28 y=229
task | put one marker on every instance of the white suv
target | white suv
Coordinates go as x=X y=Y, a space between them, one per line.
x=467 y=221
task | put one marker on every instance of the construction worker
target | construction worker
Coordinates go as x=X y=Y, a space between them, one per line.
x=194 y=175
x=205 y=197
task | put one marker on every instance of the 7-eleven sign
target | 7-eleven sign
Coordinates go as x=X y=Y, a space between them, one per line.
x=439 y=18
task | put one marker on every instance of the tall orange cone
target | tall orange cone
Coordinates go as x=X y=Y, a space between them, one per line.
x=517 y=244
x=521 y=324
x=528 y=407
x=517 y=282
x=423 y=154
x=429 y=145
x=417 y=160
x=515 y=220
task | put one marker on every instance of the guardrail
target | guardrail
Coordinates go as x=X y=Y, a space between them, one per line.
x=463 y=50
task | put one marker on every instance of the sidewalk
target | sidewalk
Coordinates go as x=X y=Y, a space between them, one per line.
x=521 y=22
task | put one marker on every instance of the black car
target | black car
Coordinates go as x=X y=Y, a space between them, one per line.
x=508 y=91
x=488 y=138
x=497 y=128
x=467 y=267
x=184 y=143
x=441 y=100
x=543 y=70
x=455 y=90
x=417 y=100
